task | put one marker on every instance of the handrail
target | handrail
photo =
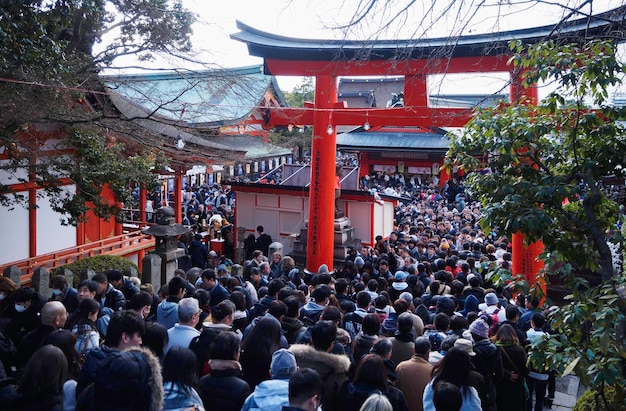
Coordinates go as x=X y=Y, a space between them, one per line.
x=304 y=166
x=354 y=169
x=118 y=245
x=268 y=174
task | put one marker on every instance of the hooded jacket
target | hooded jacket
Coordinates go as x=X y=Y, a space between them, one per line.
x=261 y=307
x=136 y=371
x=270 y=395
x=293 y=328
x=310 y=313
x=332 y=368
x=363 y=343
x=167 y=312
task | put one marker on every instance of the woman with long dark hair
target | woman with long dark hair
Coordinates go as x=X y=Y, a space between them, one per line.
x=453 y=368
x=510 y=391
x=83 y=325
x=257 y=349
x=370 y=377
x=41 y=385
x=66 y=341
x=180 y=379
x=241 y=316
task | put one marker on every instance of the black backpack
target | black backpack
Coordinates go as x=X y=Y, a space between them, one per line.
x=242 y=287
x=355 y=320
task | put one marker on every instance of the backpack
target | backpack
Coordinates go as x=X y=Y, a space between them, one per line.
x=494 y=322
x=310 y=321
x=242 y=287
x=355 y=320
x=435 y=340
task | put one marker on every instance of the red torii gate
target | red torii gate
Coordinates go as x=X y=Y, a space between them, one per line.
x=415 y=60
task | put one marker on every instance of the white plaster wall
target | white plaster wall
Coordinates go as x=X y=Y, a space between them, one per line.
x=51 y=235
x=245 y=203
x=388 y=218
x=14 y=241
x=283 y=215
x=360 y=214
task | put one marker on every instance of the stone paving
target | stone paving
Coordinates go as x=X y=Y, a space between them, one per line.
x=568 y=390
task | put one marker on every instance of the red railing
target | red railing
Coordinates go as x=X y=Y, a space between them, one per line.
x=124 y=244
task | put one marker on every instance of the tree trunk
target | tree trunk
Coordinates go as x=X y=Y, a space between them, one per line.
x=599 y=238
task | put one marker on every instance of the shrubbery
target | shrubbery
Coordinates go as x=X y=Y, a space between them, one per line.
x=99 y=264
x=587 y=401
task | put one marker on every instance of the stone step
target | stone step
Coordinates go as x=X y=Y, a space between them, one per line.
x=344 y=235
x=341 y=223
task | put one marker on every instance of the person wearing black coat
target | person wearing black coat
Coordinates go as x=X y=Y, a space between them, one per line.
x=487 y=361
x=198 y=252
x=511 y=394
x=41 y=385
x=370 y=377
x=263 y=241
x=23 y=315
x=223 y=389
x=107 y=295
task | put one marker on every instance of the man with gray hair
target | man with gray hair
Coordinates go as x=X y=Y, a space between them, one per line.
x=414 y=374
x=418 y=323
x=181 y=334
x=273 y=394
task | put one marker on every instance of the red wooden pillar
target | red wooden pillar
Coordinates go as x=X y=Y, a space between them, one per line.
x=524 y=259
x=142 y=203
x=178 y=196
x=320 y=234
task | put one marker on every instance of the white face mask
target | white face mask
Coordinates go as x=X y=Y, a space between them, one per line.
x=56 y=292
x=2 y=296
x=20 y=308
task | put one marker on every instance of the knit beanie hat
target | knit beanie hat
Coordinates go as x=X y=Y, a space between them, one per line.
x=480 y=328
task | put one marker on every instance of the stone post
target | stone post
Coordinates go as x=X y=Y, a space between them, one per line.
x=41 y=282
x=14 y=274
x=151 y=271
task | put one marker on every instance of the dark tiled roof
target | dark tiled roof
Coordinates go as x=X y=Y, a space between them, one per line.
x=200 y=99
x=267 y=45
x=393 y=141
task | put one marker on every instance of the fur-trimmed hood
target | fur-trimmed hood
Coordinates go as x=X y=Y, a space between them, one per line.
x=324 y=363
x=220 y=365
x=134 y=370
x=155 y=381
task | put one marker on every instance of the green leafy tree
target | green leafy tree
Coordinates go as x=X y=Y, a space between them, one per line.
x=49 y=66
x=538 y=171
x=304 y=91
x=298 y=136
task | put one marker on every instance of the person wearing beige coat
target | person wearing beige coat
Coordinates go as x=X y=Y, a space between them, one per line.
x=414 y=374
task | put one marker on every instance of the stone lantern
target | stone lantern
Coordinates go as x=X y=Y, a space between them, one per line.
x=166 y=233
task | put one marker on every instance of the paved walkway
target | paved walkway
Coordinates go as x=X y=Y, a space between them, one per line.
x=568 y=390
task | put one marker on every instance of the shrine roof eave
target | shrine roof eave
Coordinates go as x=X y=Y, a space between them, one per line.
x=271 y=46
x=393 y=141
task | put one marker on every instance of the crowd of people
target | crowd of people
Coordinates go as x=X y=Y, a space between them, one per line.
x=409 y=323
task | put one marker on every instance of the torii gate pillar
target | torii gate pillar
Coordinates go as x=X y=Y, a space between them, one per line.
x=524 y=259
x=320 y=235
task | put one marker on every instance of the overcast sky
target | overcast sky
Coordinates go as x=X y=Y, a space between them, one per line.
x=317 y=18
